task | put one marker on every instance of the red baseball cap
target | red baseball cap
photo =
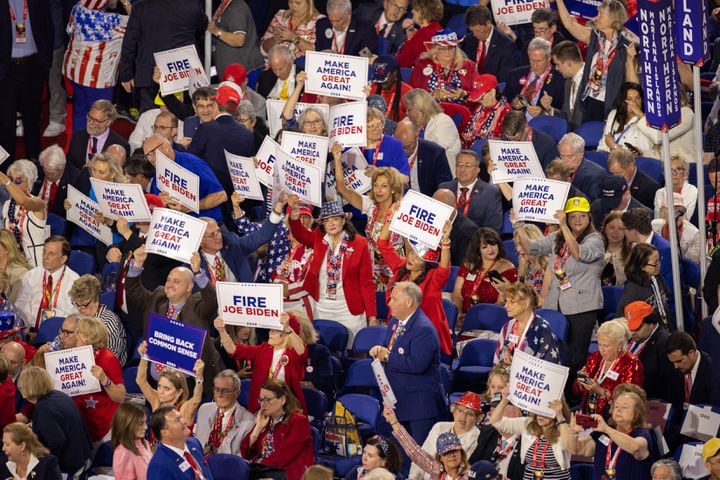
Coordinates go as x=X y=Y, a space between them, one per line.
x=228 y=95
x=153 y=201
x=235 y=72
x=483 y=84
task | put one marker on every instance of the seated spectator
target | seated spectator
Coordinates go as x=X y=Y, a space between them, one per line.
x=389 y=83
x=26 y=456
x=293 y=28
x=622 y=126
x=131 y=452
x=623 y=448
x=56 y=420
x=695 y=366
x=429 y=166
x=236 y=37
x=223 y=423
x=568 y=61
x=97 y=136
x=443 y=70
x=679 y=172
x=288 y=365
x=387 y=17
x=281 y=419
x=493 y=51
x=13 y=263
x=539 y=434
x=531 y=269
x=383 y=150
x=527 y=85
x=58 y=174
x=642 y=187
x=98 y=408
x=278 y=81
x=24 y=214
x=645 y=283
x=424 y=112
x=85 y=296
x=379 y=453
x=605 y=369
x=172 y=388
x=615 y=197
x=617 y=250
x=203 y=103
x=55 y=279
x=247 y=115
x=492 y=107
x=604 y=73
x=160 y=121
x=378 y=102
x=476 y=200
x=688 y=234
x=586 y=175
x=7 y=393
x=526 y=331
x=482 y=273
x=515 y=128
x=426 y=14
x=342 y=33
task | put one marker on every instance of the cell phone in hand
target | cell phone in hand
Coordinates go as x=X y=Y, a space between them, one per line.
x=585 y=421
x=583 y=378
x=495 y=275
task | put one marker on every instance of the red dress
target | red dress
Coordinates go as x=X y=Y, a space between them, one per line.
x=431 y=287
x=291 y=448
x=628 y=367
x=478 y=284
x=261 y=357
x=97 y=409
x=430 y=76
x=415 y=45
x=7 y=402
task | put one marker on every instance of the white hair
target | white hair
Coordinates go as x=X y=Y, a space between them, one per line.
x=53 y=157
x=335 y=5
x=539 y=43
x=616 y=330
x=574 y=140
x=27 y=169
x=282 y=51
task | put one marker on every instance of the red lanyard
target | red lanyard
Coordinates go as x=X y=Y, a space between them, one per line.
x=611 y=461
x=562 y=257
x=25 y=13
x=282 y=361
x=601 y=375
x=413 y=158
x=376 y=152
x=220 y=10
x=444 y=80
x=480 y=277
x=542 y=457
x=338 y=49
x=57 y=287
x=512 y=345
x=539 y=83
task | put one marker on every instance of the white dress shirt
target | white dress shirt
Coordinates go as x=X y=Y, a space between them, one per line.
x=31 y=291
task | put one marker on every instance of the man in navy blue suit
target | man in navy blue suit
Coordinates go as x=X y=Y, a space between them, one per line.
x=411 y=353
x=178 y=456
x=492 y=51
x=586 y=175
x=428 y=161
x=515 y=128
x=344 y=33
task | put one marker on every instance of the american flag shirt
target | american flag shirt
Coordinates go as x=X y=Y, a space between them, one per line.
x=93 y=54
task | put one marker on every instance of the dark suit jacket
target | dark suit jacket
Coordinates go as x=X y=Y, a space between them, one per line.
x=42 y=30
x=200 y=309
x=462 y=231
x=485 y=204
x=78 y=150
x=236 y=250
x=658 y=369
x=501 y=56
x=616 y=70
x=156 y=26
x=212 y=138
x=413 y=368
x=433 y=166
x=68 y=177
x=267 y=79
x=359 y=35
x=704 y=385
x=166 y=464
x=574 y=115
x=545 y=147
x=663 y=248
x=588 y=177
x=598 y=214
x=370 y=14
x=643 y=189
x=46 y=469
x=554 y=85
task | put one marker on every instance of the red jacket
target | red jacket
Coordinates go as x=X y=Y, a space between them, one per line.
x=293 y=447
x=425 y=67
x=7 y=402
x=431 y=287
x=261 y=357
x=415 y=45
x=357 y=275
x=629 y=369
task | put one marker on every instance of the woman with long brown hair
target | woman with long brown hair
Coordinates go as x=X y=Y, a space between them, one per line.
x=132 y=452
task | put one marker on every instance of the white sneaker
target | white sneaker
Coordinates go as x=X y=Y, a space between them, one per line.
x=19 y=130
x=54 y=129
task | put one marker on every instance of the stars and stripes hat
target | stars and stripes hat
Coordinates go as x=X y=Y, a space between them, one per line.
x=444 y=38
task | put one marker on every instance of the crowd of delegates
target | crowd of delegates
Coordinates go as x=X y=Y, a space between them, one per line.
x=434 y=99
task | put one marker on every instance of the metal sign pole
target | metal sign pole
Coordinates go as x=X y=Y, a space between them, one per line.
x=674 y=250
x=700 y=167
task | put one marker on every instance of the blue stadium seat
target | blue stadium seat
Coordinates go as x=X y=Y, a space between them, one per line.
x=333 y=335
x=252 y=77
x=382 y=307
x=691 y=270
x=475 y=362
x=225 y=466
x=598 y=157
x=450 y=284
x=477 y=146
x=611 y=297
x=558 y=322
x=507 y=228
x=244 y=397
x=366 y=338
x=405 y=74
x=511 y=251
x=451 y=313
x=316 y=402
x=81 y=263
x=366 y=411
x=591 y=132
x=129 y=376
x=57 y=224
x=651 y=166
x=317 y=442
x=48 y=330
x=360 y=378
x=556 y=127
x=457 y=24
x=485 y=316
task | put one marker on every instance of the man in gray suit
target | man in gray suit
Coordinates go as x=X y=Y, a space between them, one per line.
x=568 y=61
x=223 y=423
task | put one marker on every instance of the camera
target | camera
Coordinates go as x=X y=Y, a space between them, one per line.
x=585 y=421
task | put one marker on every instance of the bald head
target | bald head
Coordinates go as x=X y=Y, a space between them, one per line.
x=407 y=133
x=15 y=354
x=445 y=196
x=157 y=142
x=179 y=285
x=118 y=153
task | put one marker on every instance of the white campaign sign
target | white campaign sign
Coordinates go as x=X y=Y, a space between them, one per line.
x=421 y=218
x=354 y=165
x=175 y=66
x=309 y=149
x=514 y=160
x=125 y=200
x=516 y=12
x=250 y=304
x=700 y=423
x=386 y=391
x=348 y=124
x=334 y=75
x=4 y=155
x=242 y=174
x=179 y=182
x=174 y=234
x=298 y=178
x=534 y=383
x=266 y=157
x=82 y=213
x=537 y=199
x=70 y=370
x=691 y=462
x=274 y=113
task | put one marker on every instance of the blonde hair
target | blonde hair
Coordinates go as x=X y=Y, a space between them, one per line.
x=34 y=382
x=14 y=257
x=309 y=15
x=94 y=330
x=375 y=114
x=318 y=472
x=393 y=178
x=85 y=288
x=616 y=330
x=420 y=100
x=308 y=334
x=457 y=61
x=533 y=232
x=20 y=433
x=117 y=173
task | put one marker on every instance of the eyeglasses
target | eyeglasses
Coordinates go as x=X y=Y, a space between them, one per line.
x=216 y=233
x=65 y=333
x=262 y=400
x=80 y=305
x=224 y=391
x=399 y=7
x=445 y=48
x=162 y=128
x=313 y=122
x=375 y=126
x=654 y=265
x=677 y=171
x=540 y=30
x=465 y=165
x=17 y=180
x=91 y=119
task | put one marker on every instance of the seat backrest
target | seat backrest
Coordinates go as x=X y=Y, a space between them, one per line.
x=360 y=374
x=366 y=338
x=316 y=402
x=57 y=224
x=225 y=466
x=485 y=316
x=558 y=322
x=598 y=157
x=611 y=297
x=48 y=330
x=556 y=127
x=129 y=376
x=511 y=251
x=405 y=73
x=333 y=335
x=244 y=397
x=691 y=270
x=478 y=352
x=460 y=114
x=363 y=407
x=450 y=284
x=651 y=167
x=451 y=313
x=81 y=263
x=381 y=303
x=591 y=132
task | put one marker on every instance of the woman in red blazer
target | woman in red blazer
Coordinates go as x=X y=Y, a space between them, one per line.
x=427 y=15
x=282 y=357
x=339 y=279
x=281 y=440
x=421 y=267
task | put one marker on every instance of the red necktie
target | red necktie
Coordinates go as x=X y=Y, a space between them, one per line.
x=46 y=298
x=688 y=386
x=531 y=89
x=53 y=193
x=215 y=438
x=482 y=52
x=171 y=312
x=193 y=463
x=462 y=201
x=219 y=268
